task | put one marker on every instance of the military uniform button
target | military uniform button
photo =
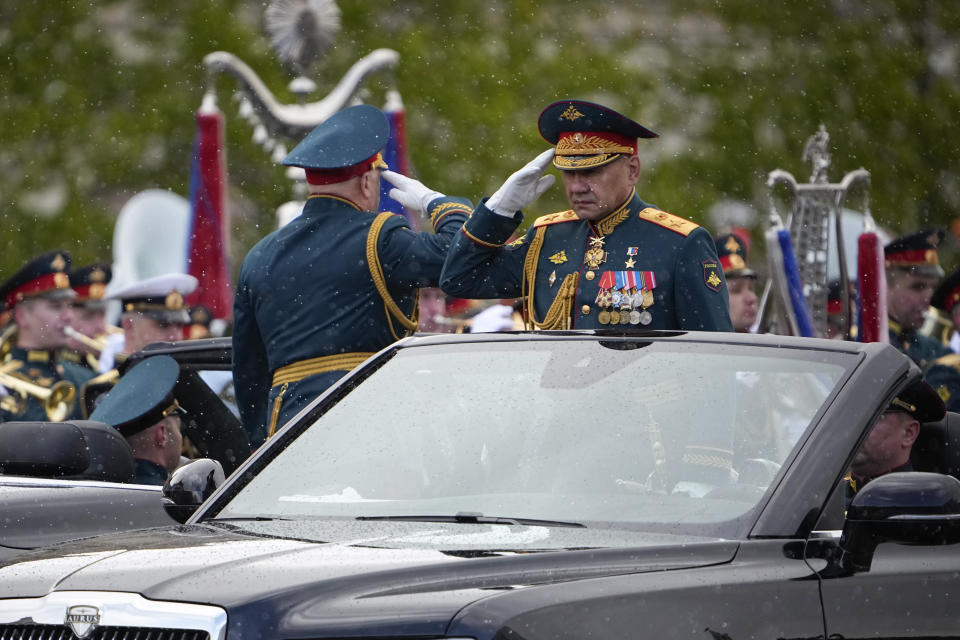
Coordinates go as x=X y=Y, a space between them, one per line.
x=590 y=275
x=585 y=309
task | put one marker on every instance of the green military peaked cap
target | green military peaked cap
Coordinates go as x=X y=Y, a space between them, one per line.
x=347 y=138
x=142 y=397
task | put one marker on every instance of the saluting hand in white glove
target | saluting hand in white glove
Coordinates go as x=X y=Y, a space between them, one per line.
x=523 y=187
x=412 y=194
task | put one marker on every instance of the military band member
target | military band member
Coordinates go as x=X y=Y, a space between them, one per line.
x=339 y=282
x=38 y=297
x=945 y=303
x=143 y=408
x=913 y=270
x=741 y=281
x=89 y=318
x=612 y=259
x=153 y=310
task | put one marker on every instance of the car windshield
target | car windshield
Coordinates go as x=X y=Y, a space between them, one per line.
x=644 y=434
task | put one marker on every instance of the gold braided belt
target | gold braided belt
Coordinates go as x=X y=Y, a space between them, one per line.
x=297 y=371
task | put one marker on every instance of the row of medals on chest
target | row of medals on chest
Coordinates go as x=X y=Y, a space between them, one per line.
x=623 y=297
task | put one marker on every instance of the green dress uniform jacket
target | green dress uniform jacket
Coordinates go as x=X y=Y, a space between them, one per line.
x=43 y=368
x=922 y=349
x=310 y=303
x=149 y=472
x=639 y=267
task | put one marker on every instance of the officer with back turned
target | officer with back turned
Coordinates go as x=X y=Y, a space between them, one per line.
x=38 y=297
x=339 y=282
x=611 y=260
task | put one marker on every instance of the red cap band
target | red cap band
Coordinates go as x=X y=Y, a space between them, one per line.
x=46 y=282
x=333 y=176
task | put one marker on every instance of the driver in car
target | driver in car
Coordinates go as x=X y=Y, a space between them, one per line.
x=888 y=445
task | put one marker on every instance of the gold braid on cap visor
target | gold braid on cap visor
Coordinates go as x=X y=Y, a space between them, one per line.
x=584 y=152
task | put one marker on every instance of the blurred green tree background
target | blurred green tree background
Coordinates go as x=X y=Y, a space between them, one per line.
x=97 y=100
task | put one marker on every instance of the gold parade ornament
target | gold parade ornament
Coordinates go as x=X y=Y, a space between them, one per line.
x=61 y=281
x=58 y=263
x=732 y=245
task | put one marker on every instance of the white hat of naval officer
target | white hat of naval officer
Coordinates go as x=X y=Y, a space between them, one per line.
x=160 y=297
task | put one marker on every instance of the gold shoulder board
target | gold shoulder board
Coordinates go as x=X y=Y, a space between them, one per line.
x=669 y=221
x=554 y=218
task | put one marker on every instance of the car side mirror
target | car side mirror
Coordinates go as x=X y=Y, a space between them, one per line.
x=189 y=485
x=908 y=508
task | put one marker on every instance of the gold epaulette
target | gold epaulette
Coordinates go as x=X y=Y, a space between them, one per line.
x=554 y=218
x=949 y=360
x=668 y=221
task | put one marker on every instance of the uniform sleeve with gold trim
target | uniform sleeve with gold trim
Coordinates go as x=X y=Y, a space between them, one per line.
x=411 y=258
x=480 y=264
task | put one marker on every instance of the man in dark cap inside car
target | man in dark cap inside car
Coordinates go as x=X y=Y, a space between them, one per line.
x=38 y=296
x=339 y=282
x=612 y=259
x=142 y=407
x=888 y=445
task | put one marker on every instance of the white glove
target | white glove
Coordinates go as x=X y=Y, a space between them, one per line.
x=523 y=187
x=499 y=317
x=412 y=194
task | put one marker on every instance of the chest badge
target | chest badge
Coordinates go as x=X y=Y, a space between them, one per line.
x=559 y=257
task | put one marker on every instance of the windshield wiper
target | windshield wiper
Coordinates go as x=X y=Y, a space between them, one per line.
x=471 y=517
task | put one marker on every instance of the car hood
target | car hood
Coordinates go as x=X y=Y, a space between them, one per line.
x=293 y=585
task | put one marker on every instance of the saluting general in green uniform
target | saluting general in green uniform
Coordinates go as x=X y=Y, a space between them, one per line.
x=612 y=260
x=39 y=384
x=317 y=297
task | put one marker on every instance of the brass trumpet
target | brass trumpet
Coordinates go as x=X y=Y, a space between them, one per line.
x=96 y=344
x=58 y=400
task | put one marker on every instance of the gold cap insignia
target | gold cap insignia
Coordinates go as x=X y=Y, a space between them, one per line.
x=736 y=262
x=96 y=291
x=732 y=245
x=571 y=114
x=61 y=281
x=58 y=263
x=98 y=275
x=930 y=256
x=173 y=300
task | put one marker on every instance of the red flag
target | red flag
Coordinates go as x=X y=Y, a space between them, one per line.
x=207 y=243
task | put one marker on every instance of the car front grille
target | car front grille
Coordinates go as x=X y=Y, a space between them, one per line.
x=60 y=632
x=108 y=615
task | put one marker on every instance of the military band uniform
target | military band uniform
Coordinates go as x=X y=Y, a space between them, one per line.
x=922 y=349
x=35 y=356
x=320 y=295
x=639 y=267
x=47 y=369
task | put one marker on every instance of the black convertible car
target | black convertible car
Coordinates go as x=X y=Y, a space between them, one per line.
x=542 y=486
